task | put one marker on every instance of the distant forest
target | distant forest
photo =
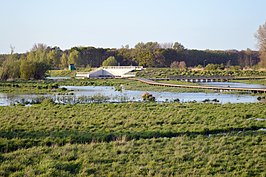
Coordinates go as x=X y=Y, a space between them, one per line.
x=150 y=54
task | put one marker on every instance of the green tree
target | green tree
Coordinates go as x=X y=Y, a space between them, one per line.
x=110 y=61
x=147 y=46
x=11 y=68
x=38 y=65
x=261 y=37
x=40 y=70
x=53 y=58
x=39 y=53
x=64 y=61
x=73 y=57
x=178 y=47
x=26 y=69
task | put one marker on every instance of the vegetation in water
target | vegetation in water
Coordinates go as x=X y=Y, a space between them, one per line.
x=148 y=97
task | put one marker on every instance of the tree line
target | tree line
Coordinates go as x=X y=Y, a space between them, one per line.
x=40 y=58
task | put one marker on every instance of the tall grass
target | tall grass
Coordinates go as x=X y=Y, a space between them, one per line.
x=133 y=139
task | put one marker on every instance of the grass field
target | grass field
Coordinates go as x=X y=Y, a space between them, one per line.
x=172 y=72
x=133 y=139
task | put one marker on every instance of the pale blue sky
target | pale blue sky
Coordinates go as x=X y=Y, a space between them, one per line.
x=197 y=24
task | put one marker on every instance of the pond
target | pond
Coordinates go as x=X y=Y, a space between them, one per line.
x=88 y=94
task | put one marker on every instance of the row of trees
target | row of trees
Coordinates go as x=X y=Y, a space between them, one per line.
x=150 y=54
x=36 y=62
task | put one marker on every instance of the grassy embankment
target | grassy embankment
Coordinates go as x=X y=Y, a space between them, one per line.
x=61 y=73
x=134 y=139
x=67 y=73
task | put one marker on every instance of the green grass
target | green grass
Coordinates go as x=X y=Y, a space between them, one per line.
x=61 y=73
x=23 y=87
x=67 y=73
x=133 y=139
x=172 y=72
x=253 y=81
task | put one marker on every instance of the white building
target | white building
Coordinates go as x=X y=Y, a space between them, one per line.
x=111 y=72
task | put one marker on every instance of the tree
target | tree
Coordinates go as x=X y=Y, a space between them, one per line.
x=11 y=68
x=178 y=47
x=53 y=58
x=249 y=54
x=261 y=37
x=147 y=46
x=64 y=61
x=39 y=46
x=26 y=69
x=37 y=66
x=73 y=57
x=110 y=61
x=40 y=69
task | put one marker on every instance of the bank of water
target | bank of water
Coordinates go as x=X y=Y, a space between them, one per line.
x=88 y=94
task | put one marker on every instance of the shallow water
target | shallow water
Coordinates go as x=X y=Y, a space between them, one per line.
x=87 y=94
x=232 y=84
x=134 y=95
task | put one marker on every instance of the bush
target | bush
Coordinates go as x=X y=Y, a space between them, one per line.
x=148 y=97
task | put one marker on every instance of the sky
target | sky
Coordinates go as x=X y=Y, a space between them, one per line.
x=197 y=24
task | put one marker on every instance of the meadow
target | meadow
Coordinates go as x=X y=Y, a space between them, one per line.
x=170 y=72
x=133 y=139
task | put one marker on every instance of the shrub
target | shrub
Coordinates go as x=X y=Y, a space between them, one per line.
x=147 y=97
